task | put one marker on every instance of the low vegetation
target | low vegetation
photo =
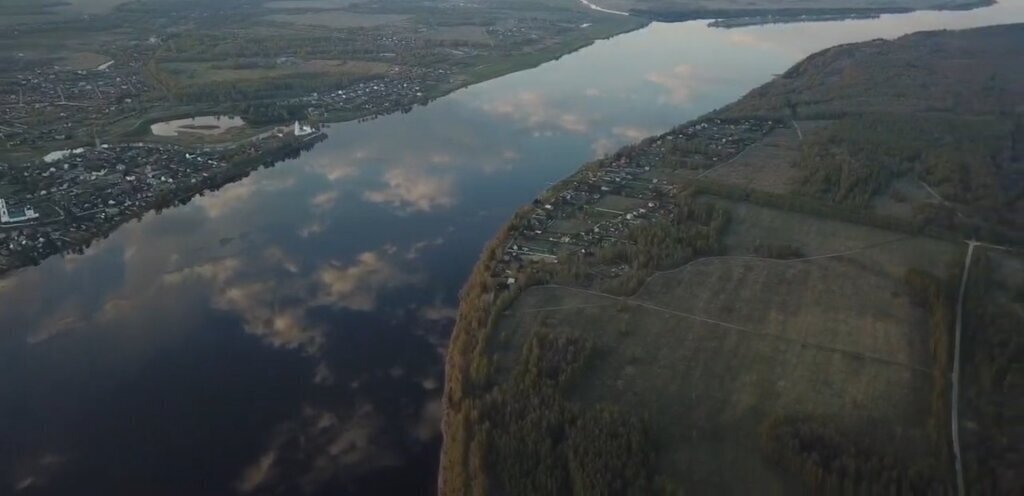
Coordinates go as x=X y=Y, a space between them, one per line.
x=992 y=399
x=831 y=463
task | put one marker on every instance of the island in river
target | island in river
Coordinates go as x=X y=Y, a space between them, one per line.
x=818 y=289
x=78 y=75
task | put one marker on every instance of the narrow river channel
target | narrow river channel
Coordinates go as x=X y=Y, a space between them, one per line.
x=287 y=331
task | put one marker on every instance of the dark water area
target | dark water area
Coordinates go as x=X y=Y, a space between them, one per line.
x=286 y=334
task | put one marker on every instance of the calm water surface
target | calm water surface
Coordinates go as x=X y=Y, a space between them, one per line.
x=287 y=332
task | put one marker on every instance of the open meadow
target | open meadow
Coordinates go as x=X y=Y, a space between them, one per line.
x=714 y=352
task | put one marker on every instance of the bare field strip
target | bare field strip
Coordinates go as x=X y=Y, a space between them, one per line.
x=815 y=236
x=708 y=386
x=864 y=312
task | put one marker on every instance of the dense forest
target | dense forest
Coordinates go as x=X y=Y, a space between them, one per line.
x=531 y=440
x=856 y=158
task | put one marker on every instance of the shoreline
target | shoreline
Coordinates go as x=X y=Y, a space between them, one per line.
x=131 y=136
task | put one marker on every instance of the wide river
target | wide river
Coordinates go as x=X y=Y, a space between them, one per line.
x=287 y=332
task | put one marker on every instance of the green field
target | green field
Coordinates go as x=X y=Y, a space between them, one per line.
x=798 y=338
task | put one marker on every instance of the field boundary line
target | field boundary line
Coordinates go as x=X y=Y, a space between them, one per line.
x=736 y=327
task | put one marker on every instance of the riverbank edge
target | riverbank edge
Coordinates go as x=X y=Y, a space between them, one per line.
x=477 y=314
x=524 y=62
x=795 y=13
x=238 y=171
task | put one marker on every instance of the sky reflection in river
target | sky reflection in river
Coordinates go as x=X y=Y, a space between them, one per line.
x=287 y=331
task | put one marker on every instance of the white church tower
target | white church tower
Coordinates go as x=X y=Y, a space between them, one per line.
x=303 y=130
x=19 y=214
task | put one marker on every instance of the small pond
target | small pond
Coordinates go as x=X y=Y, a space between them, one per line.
x=208 y=125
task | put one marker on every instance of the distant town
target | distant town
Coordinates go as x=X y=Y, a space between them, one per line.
x=66 y=200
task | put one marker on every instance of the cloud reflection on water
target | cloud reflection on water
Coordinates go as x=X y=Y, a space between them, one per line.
x=533 y=110
x=410 y=190
x=297 y=258
x=680 y=81
x=273 y=302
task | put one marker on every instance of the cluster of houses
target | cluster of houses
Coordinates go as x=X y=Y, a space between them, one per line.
x=400 y=89
x=66 y=200
x=47 y=104
x=601 y=204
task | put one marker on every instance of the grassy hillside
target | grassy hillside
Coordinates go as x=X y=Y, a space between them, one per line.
x=782 y=320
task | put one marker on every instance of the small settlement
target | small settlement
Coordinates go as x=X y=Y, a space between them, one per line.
x=42 y=103
x=599 y=205
x=66 y=200
x=400 y=89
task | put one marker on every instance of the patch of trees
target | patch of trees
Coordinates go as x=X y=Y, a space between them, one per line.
x=832 y=463
x=992 y=361
x=693 y=230
x=270 y=89
x=262 y=113
x=937 y=297
x=857 y=157
x=533 y=441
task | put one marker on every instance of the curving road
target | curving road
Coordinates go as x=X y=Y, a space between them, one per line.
x=955 y=400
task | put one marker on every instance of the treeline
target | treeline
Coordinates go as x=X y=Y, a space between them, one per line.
x=263 y=113
x=992 y=384
x=467 y=369
x=267 y=89
x=818 y=208
x=833 y=464
x=937 y=297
